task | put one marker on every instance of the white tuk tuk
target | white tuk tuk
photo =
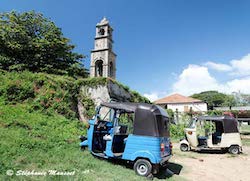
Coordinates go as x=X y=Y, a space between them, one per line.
x=221 y=133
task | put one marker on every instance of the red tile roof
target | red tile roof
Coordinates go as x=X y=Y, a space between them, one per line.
x=177 y=98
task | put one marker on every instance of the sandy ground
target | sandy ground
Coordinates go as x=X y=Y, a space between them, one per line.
x=211 y=166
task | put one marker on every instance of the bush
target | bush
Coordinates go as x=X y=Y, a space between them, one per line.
x=177 y=131
x=170 y=114
x=215 y=112
x=89 y=106
x=92 y=81
x=43 y=92
x=15 y=88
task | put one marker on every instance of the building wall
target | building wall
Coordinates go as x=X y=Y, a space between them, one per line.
x=183 y=107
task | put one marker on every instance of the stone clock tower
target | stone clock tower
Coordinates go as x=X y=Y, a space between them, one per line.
x=103 y=63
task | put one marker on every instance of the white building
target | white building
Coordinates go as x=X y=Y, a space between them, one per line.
x=182 y=103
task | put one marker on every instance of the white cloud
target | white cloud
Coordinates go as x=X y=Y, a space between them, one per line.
x=239 y=67
x=242 y=66
x=195 y=79
x=235 y=85
x=155 y=95
x=218 y=66
x=152 y=96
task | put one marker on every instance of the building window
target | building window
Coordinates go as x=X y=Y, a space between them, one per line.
x=186 y=109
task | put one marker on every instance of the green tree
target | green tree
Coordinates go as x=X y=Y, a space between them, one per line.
x=170 y=114
x=215 y=98
x=229 y=101
x=29 y=41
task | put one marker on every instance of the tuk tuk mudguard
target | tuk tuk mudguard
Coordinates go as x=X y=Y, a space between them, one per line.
x=88 y=142
x=184 y=141
x=90 y=133
x=84 y=143
x=108 y=151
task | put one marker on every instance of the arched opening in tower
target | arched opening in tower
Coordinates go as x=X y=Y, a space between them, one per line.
x=101 y=31
x=111 y=71
x=99 y=68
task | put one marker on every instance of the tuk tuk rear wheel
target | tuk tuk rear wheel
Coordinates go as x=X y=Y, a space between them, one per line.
x=184 y=147
x=234 y=150
x=143 y=167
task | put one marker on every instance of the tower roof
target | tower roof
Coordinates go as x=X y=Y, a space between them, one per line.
x=104 y=21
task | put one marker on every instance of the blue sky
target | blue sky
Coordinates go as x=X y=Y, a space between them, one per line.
x=162 y=46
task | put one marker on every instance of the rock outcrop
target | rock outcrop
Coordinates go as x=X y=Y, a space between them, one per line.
x=106 y=92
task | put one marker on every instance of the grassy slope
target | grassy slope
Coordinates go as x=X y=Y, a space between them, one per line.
x=36 y=135
x=33 y=141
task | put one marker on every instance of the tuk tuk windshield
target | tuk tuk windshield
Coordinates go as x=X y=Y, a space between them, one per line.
x=192 y=123
x=106 y=114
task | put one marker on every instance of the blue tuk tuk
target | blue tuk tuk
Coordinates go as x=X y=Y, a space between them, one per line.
x=136 y=132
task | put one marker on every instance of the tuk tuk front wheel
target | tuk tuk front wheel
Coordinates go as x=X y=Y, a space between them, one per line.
x=184 y=147
x=234 y=150
x=143 y=167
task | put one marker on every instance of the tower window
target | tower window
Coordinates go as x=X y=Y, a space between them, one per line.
x=101 y=31
x=99 y=68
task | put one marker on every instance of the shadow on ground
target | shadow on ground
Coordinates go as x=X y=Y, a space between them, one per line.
x=213 y=151
x=169 y=170
x=245 y=133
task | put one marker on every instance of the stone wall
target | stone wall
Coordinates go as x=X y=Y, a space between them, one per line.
x=101 y=93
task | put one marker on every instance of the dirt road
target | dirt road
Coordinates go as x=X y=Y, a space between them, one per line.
x=209 y=166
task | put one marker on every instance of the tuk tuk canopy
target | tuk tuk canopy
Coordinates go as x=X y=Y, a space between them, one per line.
x=150 y=120
x=229 y=124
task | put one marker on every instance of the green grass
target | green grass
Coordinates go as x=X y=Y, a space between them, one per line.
x=245 y=134
x=246 y=142
x=34 y=141
x=245 y=129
